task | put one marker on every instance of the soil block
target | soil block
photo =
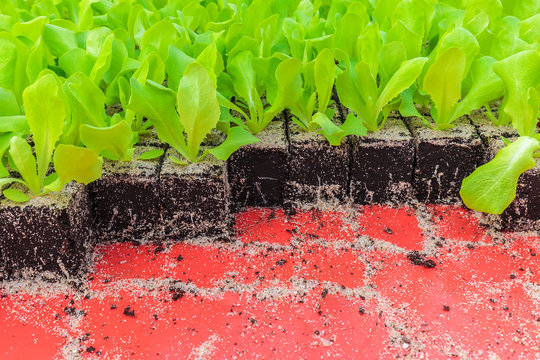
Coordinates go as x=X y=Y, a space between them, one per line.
x=194 y=198
x=318 y=170
x=487 y=130
x=382 y=165
x=258 y=172
x=126 y=199
x=50 y=233
x=523 y=214
x=444 y=159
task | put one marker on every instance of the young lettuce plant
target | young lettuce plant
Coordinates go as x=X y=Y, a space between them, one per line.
x=248 y=73
x=309 y=96
x=88 y=124
x=443 y=82
x=359 y=90
x=45 y=113
x=183 y=119
x=491 y=188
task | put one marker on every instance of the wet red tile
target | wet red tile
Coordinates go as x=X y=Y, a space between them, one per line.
x=458 y=223
x=398 y=226
x=250 y=301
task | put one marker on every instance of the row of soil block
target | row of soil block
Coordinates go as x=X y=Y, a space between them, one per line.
x=158 y=199
x=404 y=162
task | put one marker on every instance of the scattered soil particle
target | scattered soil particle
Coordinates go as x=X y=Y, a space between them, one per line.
x=418 y=259
x=129 y=312
x=159 y=249
x=281 y=262
x=178 y=295
x=70 y=311
x=290 y=211
x=362 y=311
x=324 y=293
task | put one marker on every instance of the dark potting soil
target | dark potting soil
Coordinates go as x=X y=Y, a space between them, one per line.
x=382 y=165
x=194 y=198
x=126 y=198
x=51 y=233
x=444 y=159
x=258 y=172
x=487 y=131
x=417 y=258
x=317 y=170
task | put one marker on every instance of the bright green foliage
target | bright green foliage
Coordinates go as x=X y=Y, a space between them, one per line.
x=113 y=142
x=188 y=68
x=197 y=112
x=45 y=116
x=247 y=73
x=76 y=163
x=492 y=187
x=358 y=90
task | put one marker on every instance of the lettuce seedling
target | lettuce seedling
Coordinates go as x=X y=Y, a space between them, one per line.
x=45 y=113
x=454 y=68
x=87 y=123
x=359 y=90
x=252 y=77
x=183 y=119
x=309 y=89
x=492 y=186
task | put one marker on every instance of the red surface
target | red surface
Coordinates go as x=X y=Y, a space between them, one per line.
x=313 y=285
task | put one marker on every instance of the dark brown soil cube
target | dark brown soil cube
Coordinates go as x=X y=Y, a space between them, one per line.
x=444 y=159
x=48 y=235
x=126 y=199
x=258 y=172
x=194 y=198
x=382 y=165
x=318 y=170
x=487 y=130
x=523 y=214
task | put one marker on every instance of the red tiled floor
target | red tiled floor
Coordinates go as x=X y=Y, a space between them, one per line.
x=298 y=286
x=398 y=226
x=234 y=325
x=275 y=227
x=33 y=327
x=458 y=223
